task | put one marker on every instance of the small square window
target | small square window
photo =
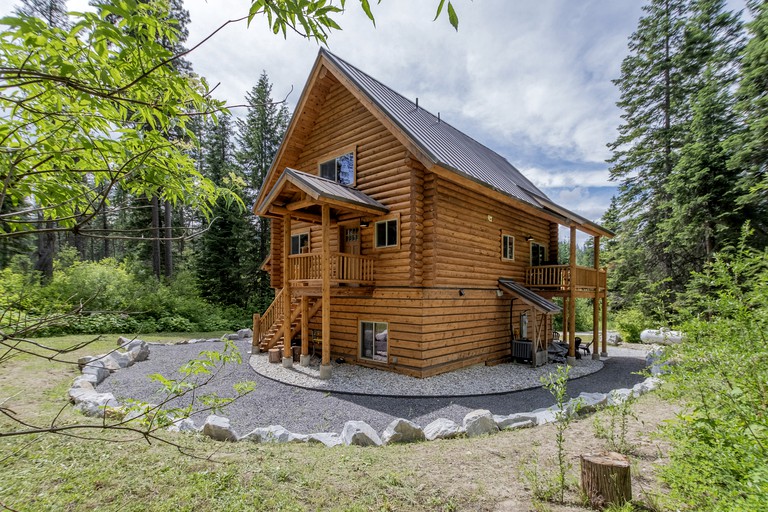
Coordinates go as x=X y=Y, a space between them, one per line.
x=507 y=247
x=341 y=169
x=300 y=243
x=386 y=233
x=374 y=341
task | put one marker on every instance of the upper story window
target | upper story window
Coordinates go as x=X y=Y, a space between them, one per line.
x=507 y=247
x=538 y=254
x=386 y=233
x=340 y=169
x=300 y=243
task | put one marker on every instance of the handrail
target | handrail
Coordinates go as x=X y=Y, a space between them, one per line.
x=272 y=315
x=345 y=268
x=562 y=277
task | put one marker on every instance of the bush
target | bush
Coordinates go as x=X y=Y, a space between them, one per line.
x=630 y=323
x=719 y=457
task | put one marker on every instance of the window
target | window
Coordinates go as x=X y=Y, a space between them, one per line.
x=538 y=254
x=300 y=243
x=374 y=341
x=340 y=169
x=507 y=247
x=386 y=233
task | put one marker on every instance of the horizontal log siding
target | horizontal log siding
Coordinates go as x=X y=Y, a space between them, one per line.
x=276 y=253
x=383 y=171
x=468 y=244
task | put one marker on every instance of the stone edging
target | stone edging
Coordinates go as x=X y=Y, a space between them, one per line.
x=478 y=422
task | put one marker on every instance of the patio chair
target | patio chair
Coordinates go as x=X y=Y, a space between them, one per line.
x=585 y=348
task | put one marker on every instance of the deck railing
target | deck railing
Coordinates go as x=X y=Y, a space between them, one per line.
x=345 y=268
x=273 y=314
x=562 y=277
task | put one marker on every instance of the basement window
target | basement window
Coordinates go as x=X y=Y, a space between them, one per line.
x=300 y=243
x=340 y=169
x=374 y=341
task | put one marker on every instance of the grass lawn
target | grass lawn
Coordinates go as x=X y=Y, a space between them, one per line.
x=121 y=472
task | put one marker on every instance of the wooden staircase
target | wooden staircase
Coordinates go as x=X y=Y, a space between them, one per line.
x=271 y=330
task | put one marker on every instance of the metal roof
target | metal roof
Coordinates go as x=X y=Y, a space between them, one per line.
x=326 y=188
x=534 y=299
x=443 y=143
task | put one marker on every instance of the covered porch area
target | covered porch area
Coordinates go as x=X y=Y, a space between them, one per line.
x=309 y=277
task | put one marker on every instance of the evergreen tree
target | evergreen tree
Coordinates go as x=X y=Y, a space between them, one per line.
x=750 y=146
x=259 y=137
x=53 y=12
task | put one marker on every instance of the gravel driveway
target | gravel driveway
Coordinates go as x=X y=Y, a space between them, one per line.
x=304 y=411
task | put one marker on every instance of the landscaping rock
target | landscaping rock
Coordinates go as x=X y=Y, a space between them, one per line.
x=123 y=359
x=646 y=386
x=83 y=361
x=182 y=425
x=93 y=404
x=274 y=434
x=479 y=422
x=329 y=439
x=619 y=396
x=442 y=428
x=359 y=433
x=402 y=431
x=513 y=421
x=217 y=428
x=590 y=402
x=82 y=382
x=614 y=338
x=543 y=416
x=231 y=337
x=244 y=333
x=212 y=340
x=97 y=370
x=139 y=352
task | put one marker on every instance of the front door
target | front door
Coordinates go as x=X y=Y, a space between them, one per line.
x=350 y=244
x=350 y=240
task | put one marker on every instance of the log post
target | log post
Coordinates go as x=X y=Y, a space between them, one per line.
x=596 y=303
x=287 y=354
x=304 y=359
x=605 y=479
x=572 y=300
x=256 y=333
x=325 y=366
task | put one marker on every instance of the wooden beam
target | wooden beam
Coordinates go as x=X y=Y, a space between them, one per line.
x=326 y=298
x=299 y=205
x=572 y=302
x=286 y=287
x=307 y=217
x=604 y=352
x=596 y=303
x=304 y=325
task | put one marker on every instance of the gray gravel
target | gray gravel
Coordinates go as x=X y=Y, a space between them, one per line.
x=304 y=411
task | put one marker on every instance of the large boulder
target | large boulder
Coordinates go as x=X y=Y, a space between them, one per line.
x=479 y=422
x=274 y=434
x=359 y=433
x=218 y=428
x=442 y=428
x=402 y=431
x=619 y=396
x=182 y=425
x=590 y=402
x=97 y=370
x=139 y=352
x=513 y=421
x=231 y=337
x=329 y=439
x=244 y=333
x=544 y=416
x=94 y=404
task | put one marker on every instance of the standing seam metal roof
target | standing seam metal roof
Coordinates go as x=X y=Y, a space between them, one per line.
x=443 y=143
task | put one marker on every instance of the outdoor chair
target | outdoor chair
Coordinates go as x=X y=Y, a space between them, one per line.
x=585 y=348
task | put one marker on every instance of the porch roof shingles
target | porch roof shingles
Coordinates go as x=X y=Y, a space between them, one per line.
x=443 y=143
x=321 y=188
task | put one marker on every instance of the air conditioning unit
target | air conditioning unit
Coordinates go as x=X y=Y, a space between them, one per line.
x=521 y=350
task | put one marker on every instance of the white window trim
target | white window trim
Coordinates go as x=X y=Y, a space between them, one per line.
x=360 y=341
x=504 y=236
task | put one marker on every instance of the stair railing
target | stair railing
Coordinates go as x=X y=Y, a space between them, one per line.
x=272 y=315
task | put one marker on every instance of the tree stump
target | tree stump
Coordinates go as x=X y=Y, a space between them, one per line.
x=275 y=355
x=605 y=479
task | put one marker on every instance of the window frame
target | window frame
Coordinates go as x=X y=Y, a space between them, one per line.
x=504 y=237
x=361 y=331
x=299 y=235
x=390 y=218
x=324 y=159
x=544 y=261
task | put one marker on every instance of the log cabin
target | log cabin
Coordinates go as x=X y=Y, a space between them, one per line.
x=400 y=243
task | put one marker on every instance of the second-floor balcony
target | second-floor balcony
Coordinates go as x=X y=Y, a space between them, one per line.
x=307 y=269
x=560 y=278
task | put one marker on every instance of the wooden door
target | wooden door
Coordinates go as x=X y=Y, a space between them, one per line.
x=350 y=240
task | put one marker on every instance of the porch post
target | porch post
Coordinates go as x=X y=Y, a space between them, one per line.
x=325 y=368
x=304 y=331
x=572 y=301
x=604 y=352
x=596 y=304
x=287 y=354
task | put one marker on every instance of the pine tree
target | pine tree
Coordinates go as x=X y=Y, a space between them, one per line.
x=259 y=137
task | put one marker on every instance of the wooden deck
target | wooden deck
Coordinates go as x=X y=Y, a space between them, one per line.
x=557 y=280
x=307 y=269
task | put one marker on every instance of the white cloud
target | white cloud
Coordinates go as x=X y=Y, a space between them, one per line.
x=547 y=178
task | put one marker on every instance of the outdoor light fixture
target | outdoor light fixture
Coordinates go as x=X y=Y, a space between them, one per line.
x=499 y=293
x=529 y=238
x=364 y=223
x=461 y=292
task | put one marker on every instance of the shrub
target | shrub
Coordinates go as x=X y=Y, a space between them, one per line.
x=630 y=323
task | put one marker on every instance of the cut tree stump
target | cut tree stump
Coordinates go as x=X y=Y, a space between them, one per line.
x=275 y=355
x=605 y=479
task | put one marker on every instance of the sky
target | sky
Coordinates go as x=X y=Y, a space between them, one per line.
x=531 y=79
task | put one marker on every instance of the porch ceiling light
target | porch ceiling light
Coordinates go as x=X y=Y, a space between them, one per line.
x=528 y=238
x=364 y=223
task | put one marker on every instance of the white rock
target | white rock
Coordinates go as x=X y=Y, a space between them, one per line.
x=441 y=428
x=96 y=369
x=182 y=425
x=217 y=428
x=213 y=340
x=245 y=333
x=618 y=396
x=543 y=416
x=109 y=363
x=513 y=421
x=359 y=433
x=231 y=337
x=274 y=434
x=590 y=402
x=479 y=422
x=329 y=439
x=93 y=404
x=83 y=381
x=402 y=431
x=123 y=359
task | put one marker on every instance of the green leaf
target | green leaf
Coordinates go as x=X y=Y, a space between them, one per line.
x=367 y=10
x=452 y=17
x=439 y=9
